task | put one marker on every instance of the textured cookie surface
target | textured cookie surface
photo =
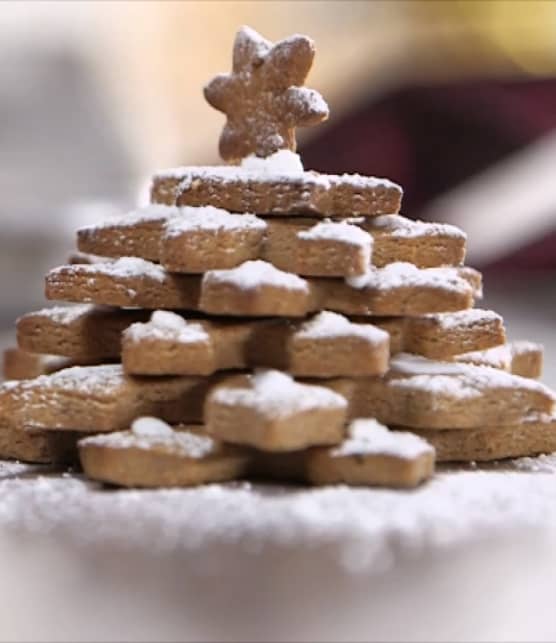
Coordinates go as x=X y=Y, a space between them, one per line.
x=272 y=412
x=100 y=398
x=326 y=345
x=257 y=288
x=152 y=454
x=263 y=97
x=372 y=455
x=535 y=435
x=194 y=240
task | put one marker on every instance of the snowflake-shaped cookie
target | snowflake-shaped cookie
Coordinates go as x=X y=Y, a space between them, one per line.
x=263 y=97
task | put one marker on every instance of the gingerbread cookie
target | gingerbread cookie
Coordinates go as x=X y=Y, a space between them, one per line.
x=100 y=398
x=443 y=335
x=521 y=358
x=534 y=435
x=422 y=393
x=263 y=97
x=194 y=240
x=372 y=455
x=84 y=333
x=257 y=288
x=21 y=365
x=152 y=454
x=327 y=345
x=272 y=412
x=41 y=447
x=275 y=191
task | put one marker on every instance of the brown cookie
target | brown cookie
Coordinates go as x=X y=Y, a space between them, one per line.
x=84 y=333
x=327 y=345
x=372 y=455
x=422 y=393
x=272 y=412
x=534 y=435
x=276 y=192
x=194 y=240
x=257 y=288
x=100 y=398
x=152 y=454
x=263 y=97
x=21 y=365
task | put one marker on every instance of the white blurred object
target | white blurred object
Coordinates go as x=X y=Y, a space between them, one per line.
x=468 y=557
x=507 y=206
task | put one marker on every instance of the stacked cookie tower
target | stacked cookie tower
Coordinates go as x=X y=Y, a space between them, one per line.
x=338 y=317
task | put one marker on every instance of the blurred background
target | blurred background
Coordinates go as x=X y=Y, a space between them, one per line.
x=455 y=100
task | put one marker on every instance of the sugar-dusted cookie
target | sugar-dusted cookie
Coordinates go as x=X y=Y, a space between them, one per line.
x=527 y=358
x=371 y=454
x=272 y=412
x=521 y=358
x=21 y=365
x=194 y=240
x=127 y=282
x=152 y=454
x=84 y=333
x=41 y=447
x=442 y=335
x=277 y=185
x=425 y=244
x=100 y=398
x=326 y=345
x=422 y=393
x=534 y=435
x=395 y=290
x=256 y=288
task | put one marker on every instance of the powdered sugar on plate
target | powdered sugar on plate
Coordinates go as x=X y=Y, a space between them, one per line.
x=278 y=395
x=328 y=324
x=211 y=219
x=406 y=275
x=251 y=275
x=369 y=437
x=167 y=326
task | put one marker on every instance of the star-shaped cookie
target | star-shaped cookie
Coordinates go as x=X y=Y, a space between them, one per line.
x=263 y=97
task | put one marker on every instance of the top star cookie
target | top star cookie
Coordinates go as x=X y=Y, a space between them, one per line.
x=263 y=97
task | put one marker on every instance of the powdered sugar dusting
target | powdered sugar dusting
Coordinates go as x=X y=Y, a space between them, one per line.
x=369 y=437
x=167 y=326
x=341 y=231
x=88 y=380
x=150 y=427
x=64 y=314
x=278 y=395
x=401 y=274
x=496 y=357
x=402 y=227
x=211 y=219
x=151 y=213
x=123 y=268
x=183 y=443
x=460 y=380
x=282 y=162
x=523 y=346
x=251 y=275
x=465 y=318
x=328 y=324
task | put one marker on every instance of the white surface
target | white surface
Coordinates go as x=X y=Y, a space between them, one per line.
x=469 y=556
